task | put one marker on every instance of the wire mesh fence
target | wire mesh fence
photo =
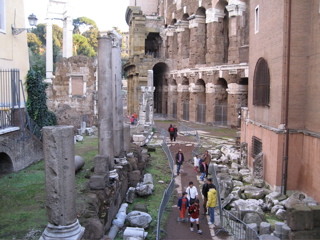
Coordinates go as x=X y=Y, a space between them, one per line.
x=228 y=222
x=170 y=189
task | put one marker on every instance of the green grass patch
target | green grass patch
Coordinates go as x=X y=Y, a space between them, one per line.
x=23 y=194
x=158 y=166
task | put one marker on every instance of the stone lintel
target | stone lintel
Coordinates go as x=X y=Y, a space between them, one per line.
x=234 y=88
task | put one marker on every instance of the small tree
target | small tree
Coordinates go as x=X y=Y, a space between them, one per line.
x=36 y=102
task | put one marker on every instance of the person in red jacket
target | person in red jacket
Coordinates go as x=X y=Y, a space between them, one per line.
x=194 y=215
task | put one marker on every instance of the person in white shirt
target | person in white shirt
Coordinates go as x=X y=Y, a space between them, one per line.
x=196 y=160
x=192 y=193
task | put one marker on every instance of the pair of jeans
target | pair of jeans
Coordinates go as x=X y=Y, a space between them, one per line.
x=178 y=168
x=211 y=213
x=202 y=176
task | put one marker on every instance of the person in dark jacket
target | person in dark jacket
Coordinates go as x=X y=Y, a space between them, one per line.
x=171 y=132
x=194 y=215
x=179 y=160
x=203 y=167
x=205 y=190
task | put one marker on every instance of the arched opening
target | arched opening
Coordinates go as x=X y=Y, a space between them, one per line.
x=173 y=96
x=201 y=36
x=185 y=99
x=153 y=44
x=222 y=39
x=201 y=101
x=6 y=165
x=261 y=83
x=160 y=82
x=185 y=39
x=221 y=103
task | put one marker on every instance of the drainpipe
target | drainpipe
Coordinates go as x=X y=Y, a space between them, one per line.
x=286 y=120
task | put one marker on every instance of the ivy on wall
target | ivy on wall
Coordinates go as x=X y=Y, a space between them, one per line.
x=36 y=103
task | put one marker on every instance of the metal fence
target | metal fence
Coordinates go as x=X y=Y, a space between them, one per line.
x=9 y=95
x=230 y=223
x=170 y=189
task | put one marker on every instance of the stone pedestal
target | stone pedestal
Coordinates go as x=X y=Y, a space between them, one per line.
x=59 y=157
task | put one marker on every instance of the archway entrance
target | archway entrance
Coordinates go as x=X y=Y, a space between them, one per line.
x=5 y=163
x=160 y=82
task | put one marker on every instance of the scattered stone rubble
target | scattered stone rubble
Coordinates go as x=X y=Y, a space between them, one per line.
x=249 y=199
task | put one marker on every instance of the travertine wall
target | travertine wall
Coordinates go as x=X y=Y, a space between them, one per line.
x=201 y=41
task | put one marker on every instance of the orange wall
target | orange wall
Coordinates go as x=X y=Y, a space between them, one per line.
x=304 y=165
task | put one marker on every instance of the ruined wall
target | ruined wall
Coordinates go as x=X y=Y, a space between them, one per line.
x=73 y=92
x=22 y=148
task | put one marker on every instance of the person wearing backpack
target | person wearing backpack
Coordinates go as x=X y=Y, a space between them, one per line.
x=171 y=132
x=194 y=215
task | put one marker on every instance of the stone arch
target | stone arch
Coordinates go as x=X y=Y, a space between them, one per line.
x=185 y=98
x=185 y=37
x=198 y=35
x=223 y=29
x=201 y=11
x=6 y=165
x=221 y=102
x=173 y=98
x=173 y=21
x=200 y=87
x=160 y=82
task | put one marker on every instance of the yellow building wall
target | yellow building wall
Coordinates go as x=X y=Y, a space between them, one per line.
x=14 y=48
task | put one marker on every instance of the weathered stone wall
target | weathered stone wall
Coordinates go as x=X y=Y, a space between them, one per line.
x=73 y=92
x=206 y=42
x=22 y=148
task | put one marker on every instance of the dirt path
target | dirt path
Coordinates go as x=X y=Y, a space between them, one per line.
x=181 y=230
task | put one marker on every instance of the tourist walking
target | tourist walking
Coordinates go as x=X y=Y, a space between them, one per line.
x=205 y=189
x=175 y=135
x=192 y=193
x=211 y=203
x=203 y=169
x=183 y=204
x=135 y=117
x=171 y=132
x=179 y=160
x=207 y=159
x=196 y=160
x=132 y=120
x=194 y=211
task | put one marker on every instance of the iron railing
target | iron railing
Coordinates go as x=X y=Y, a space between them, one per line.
x=170 y=189
x=230 y=223
x=9 y=96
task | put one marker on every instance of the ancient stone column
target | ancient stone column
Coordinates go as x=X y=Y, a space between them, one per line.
x=105 y=99
x=49 y=52
x=58 y=148
x=118 y=104
x=67 y=37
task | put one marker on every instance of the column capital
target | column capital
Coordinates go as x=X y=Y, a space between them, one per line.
x=213 y=15
x=195 y=20
x=236 y=8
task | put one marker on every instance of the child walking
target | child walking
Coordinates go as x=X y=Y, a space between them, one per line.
x=183 y=204
x=194 y=212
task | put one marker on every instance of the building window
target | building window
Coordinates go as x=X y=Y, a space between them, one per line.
x=256 y=19
x=77 y=86
x=261 y=83
x=256 y=146
x=2 y=16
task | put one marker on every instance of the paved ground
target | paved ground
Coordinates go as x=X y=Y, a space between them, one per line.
x=181 y=230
